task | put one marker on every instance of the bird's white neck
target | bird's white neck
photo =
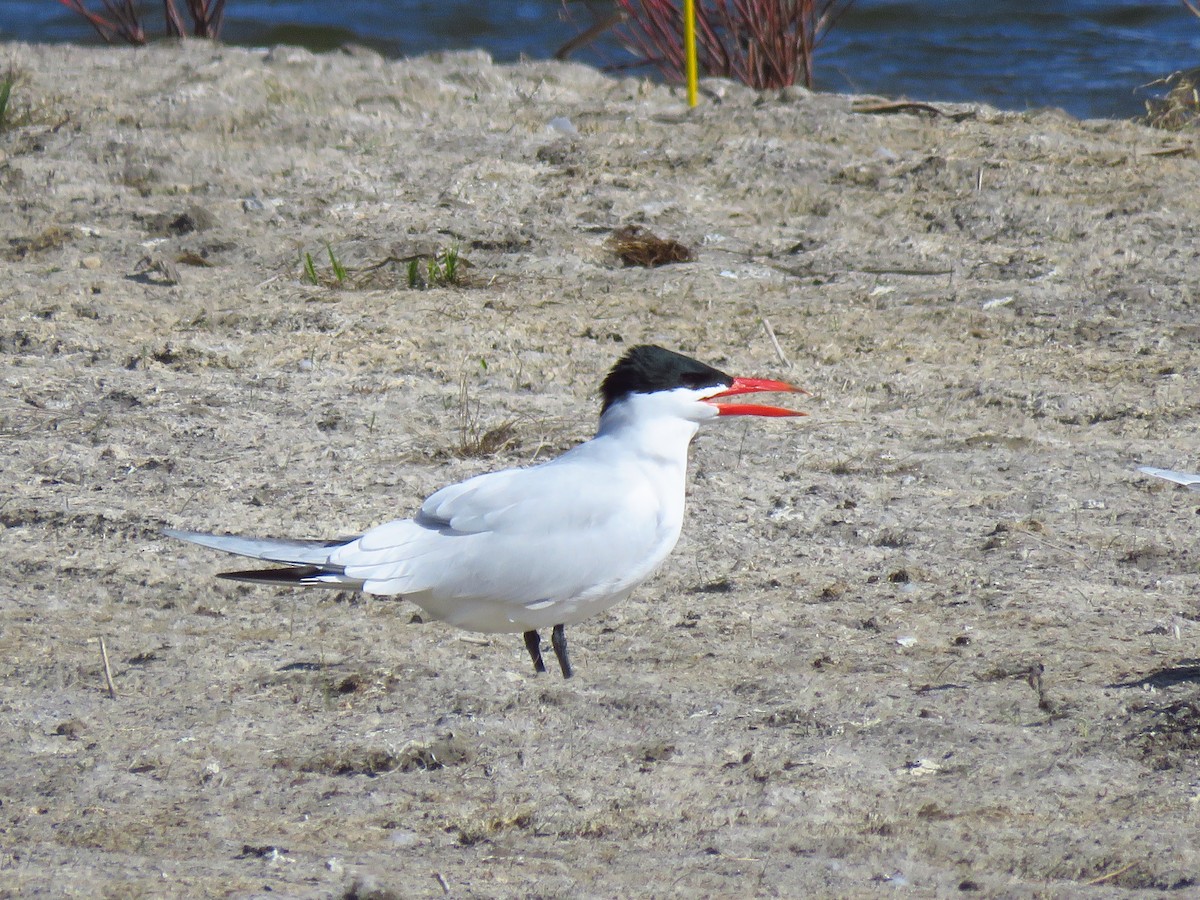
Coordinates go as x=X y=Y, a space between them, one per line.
x=647 y=427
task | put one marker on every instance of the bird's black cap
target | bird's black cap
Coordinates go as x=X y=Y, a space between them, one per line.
x=647 y=368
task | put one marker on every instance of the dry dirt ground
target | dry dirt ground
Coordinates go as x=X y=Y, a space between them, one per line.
x=936 y=639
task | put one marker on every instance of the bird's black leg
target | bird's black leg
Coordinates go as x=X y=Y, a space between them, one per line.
x=559 y=639
x=533 y=643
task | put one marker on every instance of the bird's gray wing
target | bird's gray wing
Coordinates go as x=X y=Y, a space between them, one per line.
x=508 y=539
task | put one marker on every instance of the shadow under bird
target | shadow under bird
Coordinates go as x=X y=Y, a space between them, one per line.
x=540 y=547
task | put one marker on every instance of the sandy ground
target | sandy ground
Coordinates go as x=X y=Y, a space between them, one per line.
x=936 y=639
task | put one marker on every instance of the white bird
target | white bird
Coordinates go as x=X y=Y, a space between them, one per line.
x=546 y=546
x=1187 y=479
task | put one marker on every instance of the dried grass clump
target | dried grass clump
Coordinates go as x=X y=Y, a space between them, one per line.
x=635 y=246
x=51 y=238
x=422 y=756
x=1171 y=738
x=1179 y=107
x=475 y=441
x=486 y=826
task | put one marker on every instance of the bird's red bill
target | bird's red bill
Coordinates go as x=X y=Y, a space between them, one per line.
x=755 y=386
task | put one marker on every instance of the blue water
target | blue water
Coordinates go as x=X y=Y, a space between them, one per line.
x=1087 y=56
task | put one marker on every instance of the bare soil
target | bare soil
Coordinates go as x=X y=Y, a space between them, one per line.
x=939 y=637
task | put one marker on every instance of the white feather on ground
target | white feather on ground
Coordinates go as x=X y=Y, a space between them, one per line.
x=1187 y=479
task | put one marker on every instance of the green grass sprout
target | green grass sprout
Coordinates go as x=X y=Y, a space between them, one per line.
x=6 y=87
x=449 y=265
x=339 y=271
x=444 y=268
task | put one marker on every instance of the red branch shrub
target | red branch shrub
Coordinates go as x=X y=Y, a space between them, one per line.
x=119 y=19
x=762 y=43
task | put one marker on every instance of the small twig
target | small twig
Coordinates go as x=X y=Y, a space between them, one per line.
x=904 y=106
x=442 y=882
x=787 y=364
x=895 y=106
x=888 y=270
x=1112 y=874
x=108 y=680
x=1170 y=151
x=1034 y=679
x=808 y=272
x=602 y=24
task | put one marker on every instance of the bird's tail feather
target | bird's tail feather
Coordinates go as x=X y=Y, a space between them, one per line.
x=289 y=552
x=306 y=562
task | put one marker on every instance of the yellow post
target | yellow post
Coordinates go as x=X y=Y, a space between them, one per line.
x=689 y=47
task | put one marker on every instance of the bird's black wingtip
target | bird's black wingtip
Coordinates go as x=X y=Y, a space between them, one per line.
x=292 y=575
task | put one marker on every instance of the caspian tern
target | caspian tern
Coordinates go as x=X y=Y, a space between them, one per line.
x=1187 y=479
x=550 y=545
